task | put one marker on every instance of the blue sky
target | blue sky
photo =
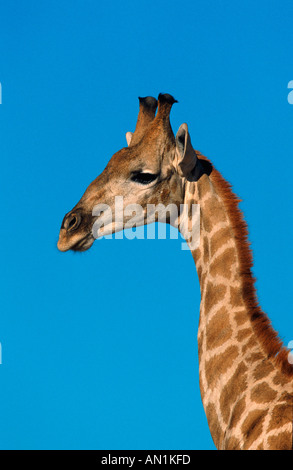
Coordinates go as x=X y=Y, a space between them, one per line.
x=99 y=350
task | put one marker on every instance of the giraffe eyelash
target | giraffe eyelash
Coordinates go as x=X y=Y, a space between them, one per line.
x=143 y=178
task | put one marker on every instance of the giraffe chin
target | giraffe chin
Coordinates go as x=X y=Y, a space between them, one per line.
x=82 y=244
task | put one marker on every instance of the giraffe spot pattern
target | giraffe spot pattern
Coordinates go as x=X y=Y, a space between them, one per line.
x=214 y=423
x=237 y=412
x=213 y=294
x=232 y=444
x=236 y=298
x=243 y=334
x=191 y=189
x=213 y=214
x=206 y=250
x=219 y=239
x=219 y=364
x=231 y=393
x=199 y=273
x=263 y=393
x=240 y=317
x=282 y=414
x=280 y=379
x=249 y=346
x=263 y=369
x=218 y=329
x=199 y=345
x=204 y=188
x=223 y=264
x=282 y=441
x=252 y=427
x=190 y=211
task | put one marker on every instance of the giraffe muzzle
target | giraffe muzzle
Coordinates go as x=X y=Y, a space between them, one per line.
x=75 y=233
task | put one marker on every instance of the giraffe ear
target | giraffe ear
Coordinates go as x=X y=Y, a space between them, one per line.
x=128 y=136
x=185 y=159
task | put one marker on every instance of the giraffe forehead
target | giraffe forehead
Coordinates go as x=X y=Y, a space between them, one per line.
x=128 y=160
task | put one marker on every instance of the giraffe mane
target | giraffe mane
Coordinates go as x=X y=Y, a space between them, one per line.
x=268 y=337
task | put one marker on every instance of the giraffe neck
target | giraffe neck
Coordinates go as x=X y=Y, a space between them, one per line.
x=240 y=354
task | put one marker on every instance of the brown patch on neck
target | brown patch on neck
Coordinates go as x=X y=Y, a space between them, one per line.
x=267 y=336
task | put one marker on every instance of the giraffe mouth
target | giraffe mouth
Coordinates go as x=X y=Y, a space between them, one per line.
x=84 y=244
x=75 y=243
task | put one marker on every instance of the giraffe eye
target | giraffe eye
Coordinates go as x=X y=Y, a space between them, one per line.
x=143 y=178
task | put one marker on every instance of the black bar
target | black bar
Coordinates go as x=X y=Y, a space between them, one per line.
x=102 y=458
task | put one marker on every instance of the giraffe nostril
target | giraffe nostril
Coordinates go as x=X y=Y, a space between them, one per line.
x=72 y=222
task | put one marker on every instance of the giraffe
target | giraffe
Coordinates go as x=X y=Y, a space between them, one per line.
x=245 y=377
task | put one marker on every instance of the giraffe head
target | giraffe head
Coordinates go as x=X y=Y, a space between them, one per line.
x=152 y=169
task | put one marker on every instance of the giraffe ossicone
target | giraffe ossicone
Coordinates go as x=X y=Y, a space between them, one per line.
x=245 y=372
